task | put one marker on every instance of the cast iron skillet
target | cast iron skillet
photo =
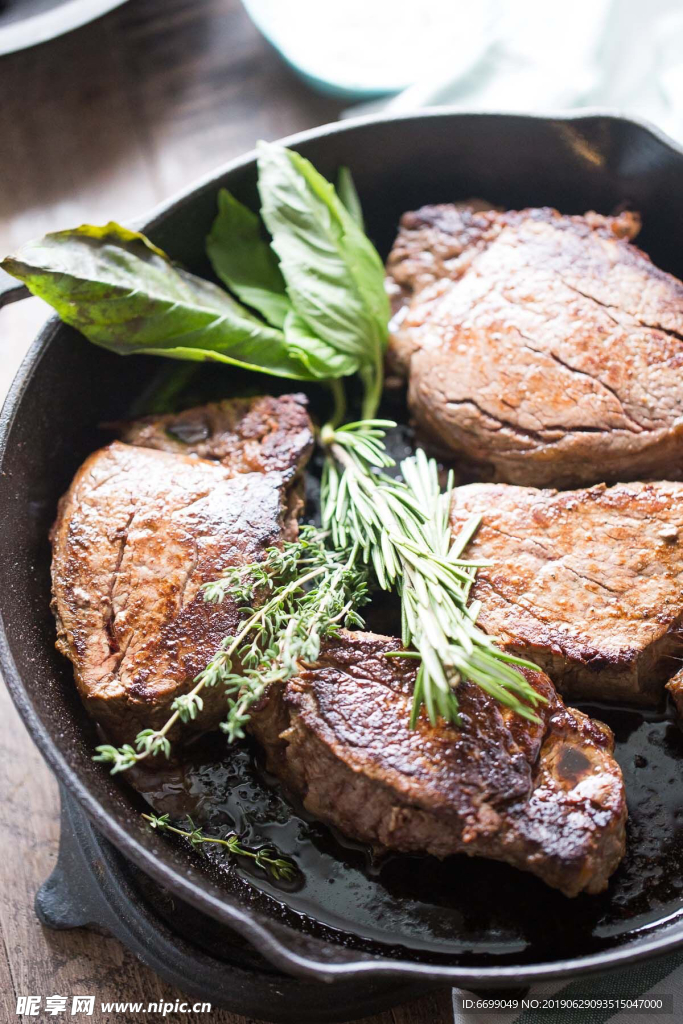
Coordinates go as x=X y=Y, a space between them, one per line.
x=66 y=387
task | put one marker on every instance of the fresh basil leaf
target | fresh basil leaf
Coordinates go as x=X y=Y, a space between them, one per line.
x=346 y=190
x=244 y=261
x=320 y=359
x=334 y=276
x=125 y=294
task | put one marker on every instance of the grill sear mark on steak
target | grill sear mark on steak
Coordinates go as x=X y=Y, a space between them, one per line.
x=546 y=798
x=586 y=583
x=545 y=348
x=136 y=536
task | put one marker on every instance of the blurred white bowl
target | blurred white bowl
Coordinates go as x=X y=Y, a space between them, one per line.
x=25 y=23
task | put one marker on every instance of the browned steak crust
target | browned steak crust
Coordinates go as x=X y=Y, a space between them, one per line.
x=675 y=688
x=587 y=583
x=136 y=536
x=546 y=798
x=545 y=348
x=247 y=435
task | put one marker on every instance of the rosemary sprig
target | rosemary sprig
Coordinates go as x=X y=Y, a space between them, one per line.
x=402 y=529
x=266 y=858
x=313 y=589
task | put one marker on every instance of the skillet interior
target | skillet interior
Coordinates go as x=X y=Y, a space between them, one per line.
x=66 y=387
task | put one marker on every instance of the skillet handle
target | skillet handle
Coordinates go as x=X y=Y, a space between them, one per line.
x=11 y=290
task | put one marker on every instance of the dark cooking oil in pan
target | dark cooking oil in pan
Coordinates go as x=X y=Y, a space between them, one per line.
x=473 y=909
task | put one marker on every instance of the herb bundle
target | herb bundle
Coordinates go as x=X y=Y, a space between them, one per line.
x=308 y=304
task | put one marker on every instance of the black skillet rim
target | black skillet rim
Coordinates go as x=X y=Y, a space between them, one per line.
x=256 y=927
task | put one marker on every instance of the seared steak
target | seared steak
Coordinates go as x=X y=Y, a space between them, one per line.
x=136 y=536
x=140 y=531
x=545 y=349
x=247 y=435
x=546 y=798
x=588 y=584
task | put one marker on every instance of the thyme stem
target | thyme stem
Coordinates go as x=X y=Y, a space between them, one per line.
x=151 y=741
x=272 y=641
x=278 y=867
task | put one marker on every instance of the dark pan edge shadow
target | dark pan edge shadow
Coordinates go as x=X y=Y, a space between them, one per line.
x=267 y=935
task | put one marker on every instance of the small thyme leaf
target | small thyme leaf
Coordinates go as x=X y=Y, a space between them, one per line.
x=188 y=706
x=120 y=758
x=159 y=822
x=152 y=741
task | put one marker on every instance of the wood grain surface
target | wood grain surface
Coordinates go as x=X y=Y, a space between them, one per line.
x=99 y=125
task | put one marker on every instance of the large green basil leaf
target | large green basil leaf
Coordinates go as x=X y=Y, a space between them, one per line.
x=334 y=276
x=125 y=294
x=244 y=261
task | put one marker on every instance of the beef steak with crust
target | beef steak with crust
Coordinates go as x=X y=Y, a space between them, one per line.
x=136 y=536
x=588 y=584
x=547 y=798
x=544 y=349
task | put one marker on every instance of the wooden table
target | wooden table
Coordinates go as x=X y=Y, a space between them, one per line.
x=100 y=125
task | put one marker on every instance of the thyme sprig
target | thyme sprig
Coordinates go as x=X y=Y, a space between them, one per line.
x=316 y=589
x=297 y=596
x=266 y=858
x=402 y=529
